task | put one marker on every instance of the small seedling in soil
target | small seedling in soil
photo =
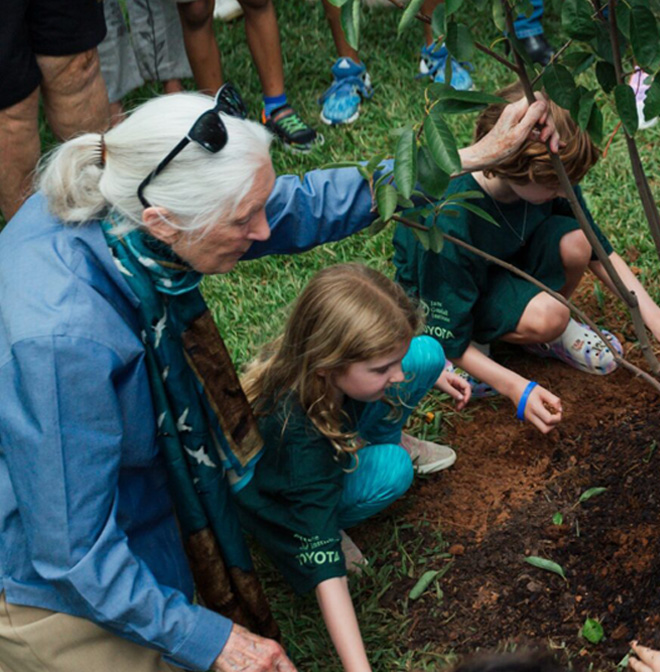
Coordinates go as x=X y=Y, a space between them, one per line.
x=547 y=565
x=558 y=518
x=591 y=492
x=592 y=631
x=651 y=450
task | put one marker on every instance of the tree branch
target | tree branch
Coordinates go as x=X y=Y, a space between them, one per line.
x=556 y=295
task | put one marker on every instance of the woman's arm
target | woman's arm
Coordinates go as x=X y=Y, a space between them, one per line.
x=649 y=309
x=512 y=385
x=339 y=616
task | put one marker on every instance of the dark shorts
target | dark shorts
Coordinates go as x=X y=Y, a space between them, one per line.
x=46 y=28
x=499 y=308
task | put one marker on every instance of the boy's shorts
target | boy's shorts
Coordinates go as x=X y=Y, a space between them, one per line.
x=505 y=296
x=45 y=28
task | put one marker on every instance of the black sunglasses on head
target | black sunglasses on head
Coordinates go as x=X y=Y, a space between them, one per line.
x=208 y=132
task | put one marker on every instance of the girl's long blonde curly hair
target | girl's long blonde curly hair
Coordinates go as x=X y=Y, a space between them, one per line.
x=347 y=313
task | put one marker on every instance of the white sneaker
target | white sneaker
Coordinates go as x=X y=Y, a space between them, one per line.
x=227 y=10
x=352 y=554
x=427 y=457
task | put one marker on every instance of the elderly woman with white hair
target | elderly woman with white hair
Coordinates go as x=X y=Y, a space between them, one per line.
x=122 y=422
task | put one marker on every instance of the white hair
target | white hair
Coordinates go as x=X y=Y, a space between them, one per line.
x=197 y=187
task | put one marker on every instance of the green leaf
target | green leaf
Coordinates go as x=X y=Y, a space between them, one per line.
x=459 y=195
x=374 y=163
x=585 y=108
x=414 y=7
x=423 y=237
x=480 y=212
x=338 y=3
x=559 y=84
x=432 y=178
x=595 y=125
x=441 y=143
x=644 y=36
x=376 y=226
x=499 y=17
x=578 y=61
x=350 y=22
x=606 y=75
x=442 y=92
x=342 y=164
x=386 y=200
x=592 y=631
x=626 y=106
x=652 y=102
x=558 y=518
x=438 y=21
x=459 y=41
x=601 y=43
x=576 y=19
x=591 y=492
x=364 y=172
x=404 y=202
x=452 y=6
x=405 y=163
x=436 y=239
x=623 y=18
x=547 y=565
x=423 y=583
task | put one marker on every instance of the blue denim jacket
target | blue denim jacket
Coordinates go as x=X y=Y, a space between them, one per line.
x=86 y=521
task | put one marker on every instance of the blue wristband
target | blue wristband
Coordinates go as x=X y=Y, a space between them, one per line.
x=520 y=413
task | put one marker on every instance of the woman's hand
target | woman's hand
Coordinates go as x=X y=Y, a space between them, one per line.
x=648 y=660
x=250 y=653
x=543 y=409
x=517 y=123
x=456 y=387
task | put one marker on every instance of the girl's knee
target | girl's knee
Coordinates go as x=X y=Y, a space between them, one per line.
x=424 y=361
x=399 y=476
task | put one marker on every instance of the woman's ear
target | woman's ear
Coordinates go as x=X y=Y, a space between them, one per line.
x=157 y=221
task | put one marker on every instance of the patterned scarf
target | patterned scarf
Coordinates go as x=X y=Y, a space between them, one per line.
x=206 y=430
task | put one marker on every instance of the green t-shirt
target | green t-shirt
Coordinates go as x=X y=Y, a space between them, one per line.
x=457 y=289
x=291 y=504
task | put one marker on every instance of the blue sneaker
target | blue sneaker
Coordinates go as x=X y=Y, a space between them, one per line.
x=432 y=64
x=341 y=102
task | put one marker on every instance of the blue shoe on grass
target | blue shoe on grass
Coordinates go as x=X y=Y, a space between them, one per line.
x=341 y=102
x=432 y=64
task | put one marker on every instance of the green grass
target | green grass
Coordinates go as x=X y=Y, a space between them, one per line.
x=250 y=303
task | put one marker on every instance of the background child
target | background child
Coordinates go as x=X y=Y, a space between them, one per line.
x=333 y=394
x=467 y=299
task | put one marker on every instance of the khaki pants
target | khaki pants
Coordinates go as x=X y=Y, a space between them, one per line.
x=39 y=640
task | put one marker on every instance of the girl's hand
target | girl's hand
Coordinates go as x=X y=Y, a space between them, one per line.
x=543 y=409
x=647 y=659
x=456 y=387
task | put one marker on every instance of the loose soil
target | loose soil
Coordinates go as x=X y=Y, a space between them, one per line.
x=495 y=506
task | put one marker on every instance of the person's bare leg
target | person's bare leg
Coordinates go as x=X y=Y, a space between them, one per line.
x=344 y=49
x=263 y=37
x=201 y=46
x=427 y=8
x=173 y=86
x=575 y=252
x=19 y=152
x=74 y=94
x=544 y=319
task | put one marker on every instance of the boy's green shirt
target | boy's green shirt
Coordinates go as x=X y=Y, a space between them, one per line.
x=450 y=284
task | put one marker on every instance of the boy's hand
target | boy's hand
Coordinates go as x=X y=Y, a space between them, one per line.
x=456 y=387
x=648 y=660
x=543 y=409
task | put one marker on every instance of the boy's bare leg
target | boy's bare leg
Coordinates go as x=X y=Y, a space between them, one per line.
x=344 y=49
x=263 y=37
x=19 y=152
x=427 y=8
x=201 y=47
x=544 y=319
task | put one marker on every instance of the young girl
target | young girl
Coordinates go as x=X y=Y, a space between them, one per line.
x=332 y=395
x=467 y=299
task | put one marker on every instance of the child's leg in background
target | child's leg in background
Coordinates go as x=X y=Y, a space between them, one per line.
x=385 y=470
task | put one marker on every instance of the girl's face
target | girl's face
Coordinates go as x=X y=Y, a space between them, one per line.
x=368 y=380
